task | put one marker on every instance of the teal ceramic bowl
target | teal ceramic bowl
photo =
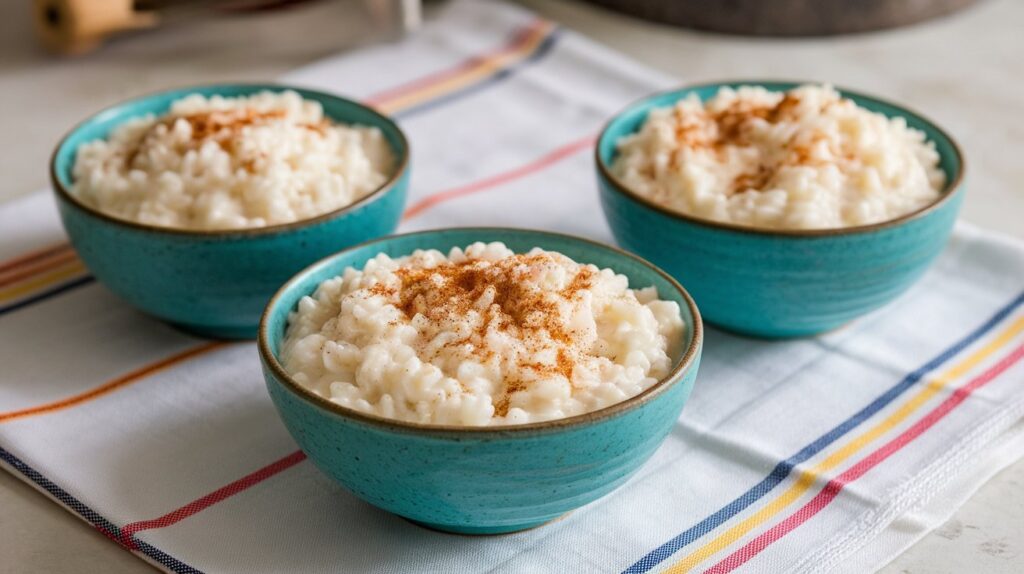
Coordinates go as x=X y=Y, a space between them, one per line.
x=216 y=283
x=772 y=283
x=480 y=480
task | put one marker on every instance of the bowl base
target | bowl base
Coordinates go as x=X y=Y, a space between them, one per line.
x=465 y=530
x=233 y=333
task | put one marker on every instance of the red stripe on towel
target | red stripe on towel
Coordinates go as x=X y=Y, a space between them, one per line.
x=835 y=486
x=505 y=177
x=129 y=531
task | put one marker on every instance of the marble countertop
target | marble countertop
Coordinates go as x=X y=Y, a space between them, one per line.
x=963 y=71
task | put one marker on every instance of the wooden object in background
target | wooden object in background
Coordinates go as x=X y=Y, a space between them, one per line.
x=786 y=17
x=78 y=26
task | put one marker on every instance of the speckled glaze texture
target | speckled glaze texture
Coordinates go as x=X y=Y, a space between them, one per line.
x=216 y=283
x=780 y=284
x=484 y=480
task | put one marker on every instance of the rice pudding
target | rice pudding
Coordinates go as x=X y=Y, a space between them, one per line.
x=231 y=163
x=803 y=159
x=482 y=336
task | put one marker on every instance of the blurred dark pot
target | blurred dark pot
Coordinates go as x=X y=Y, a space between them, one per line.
x=786 y=17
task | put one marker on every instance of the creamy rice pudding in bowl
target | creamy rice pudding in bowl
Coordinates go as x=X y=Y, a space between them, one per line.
x=480 y=380
x=195 y=204
x=787 y=209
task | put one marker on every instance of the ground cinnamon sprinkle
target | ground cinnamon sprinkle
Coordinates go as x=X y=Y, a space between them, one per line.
x=809 y=157
x=719 y=130
x=220 y=126
x=516 y=307
x=730 y=127
x=481 y=336
x=224 y=124
x=732 y=122
x=503 y=402
x=752 y=181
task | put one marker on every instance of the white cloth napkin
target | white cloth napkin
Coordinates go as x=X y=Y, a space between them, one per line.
x=831 y=453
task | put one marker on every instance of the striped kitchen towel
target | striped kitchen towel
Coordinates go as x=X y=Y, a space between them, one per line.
x=825 y=454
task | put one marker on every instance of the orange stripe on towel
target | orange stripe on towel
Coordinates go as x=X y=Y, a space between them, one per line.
x=33 y=256
x=30 y=268
x=519 y=39
x=113 y=385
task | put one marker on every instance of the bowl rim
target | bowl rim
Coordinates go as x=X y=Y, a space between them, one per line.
x=674 y=376
x=951 y=188
x=399 y=172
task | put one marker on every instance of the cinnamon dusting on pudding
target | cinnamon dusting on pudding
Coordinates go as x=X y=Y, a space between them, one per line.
x=215 y=163
x=507 y=301
x=483 y=336
x=718 y=130
x=807 y=158
x=732 y=127
x=219 y=126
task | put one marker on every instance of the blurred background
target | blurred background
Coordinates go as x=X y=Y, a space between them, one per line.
x=957 y=65
x=957 y=61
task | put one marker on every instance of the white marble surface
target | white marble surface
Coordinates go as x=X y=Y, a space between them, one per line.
x=966 y=72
